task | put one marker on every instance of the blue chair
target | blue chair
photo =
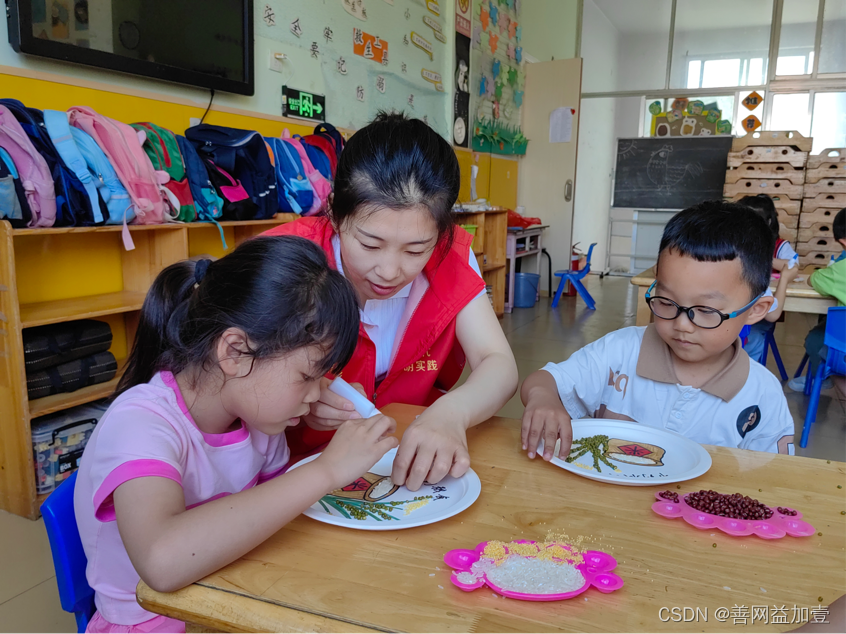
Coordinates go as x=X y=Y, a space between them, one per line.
x=801 y=367
x=575 y=278
x=769 y=342
x=68 y=556
x=835 y=363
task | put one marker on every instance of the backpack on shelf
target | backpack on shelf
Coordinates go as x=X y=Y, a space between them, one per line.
x=122 y=146
x=296 y=195
x=237 y=203
x=162 y=148
x=13 y=205
x=327 y=138
x=322 y=187
x=73 y=206
x=243 y=155
x=317 y=157
x=35 y=176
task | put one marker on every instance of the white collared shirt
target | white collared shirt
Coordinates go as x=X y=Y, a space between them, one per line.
x=381 y=317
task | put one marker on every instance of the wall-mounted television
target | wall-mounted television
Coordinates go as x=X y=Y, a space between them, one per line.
x=206 y=43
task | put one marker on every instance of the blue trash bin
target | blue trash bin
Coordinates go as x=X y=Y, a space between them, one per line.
x=525 y=289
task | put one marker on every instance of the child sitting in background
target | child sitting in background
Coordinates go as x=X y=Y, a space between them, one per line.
x=687 y=372
x=182 y=474
x=785 y=263
x=830 y=282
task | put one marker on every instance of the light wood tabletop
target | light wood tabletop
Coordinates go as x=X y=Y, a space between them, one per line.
x=312 y=576
x=799 y=298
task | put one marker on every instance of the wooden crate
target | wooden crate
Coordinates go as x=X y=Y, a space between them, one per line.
x=818 y=245
x=810 y=218
x=816 y=231
x=826 y=186
x=828 y=200
x=768 y=154
x=782 y=203
x=755 y=186
x=790 y=138
x=783 y=171
x=826 y=171
x=828 y=155
x=788 y=221
x=814 y=260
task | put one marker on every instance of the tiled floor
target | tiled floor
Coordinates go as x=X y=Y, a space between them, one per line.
x=29 y=600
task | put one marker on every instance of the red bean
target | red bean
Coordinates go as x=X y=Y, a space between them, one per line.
x=735 y=505
x=786 y=511
x=670 y=495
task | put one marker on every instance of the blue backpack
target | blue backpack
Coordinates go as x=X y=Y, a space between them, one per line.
x=13 y=205
x=73 y=206
x=209 y=204
x=111 y=190
x=318 y=159
x=244 y=155
x=295 y=191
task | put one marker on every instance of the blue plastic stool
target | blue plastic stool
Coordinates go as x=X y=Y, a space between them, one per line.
x=835 y=363
x=575 y=278
x=769 y=342
x=68 y=556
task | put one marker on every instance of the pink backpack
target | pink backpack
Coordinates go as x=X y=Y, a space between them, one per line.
x=33 y=169
x=122 y=145
x=322 y=187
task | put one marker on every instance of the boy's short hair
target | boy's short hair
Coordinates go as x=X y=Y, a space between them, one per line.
x=763 y=206
x=715 y=230
x=839 y=225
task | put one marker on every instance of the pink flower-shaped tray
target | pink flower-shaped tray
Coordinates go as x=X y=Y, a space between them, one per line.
x=596 y=570
x=776 y=527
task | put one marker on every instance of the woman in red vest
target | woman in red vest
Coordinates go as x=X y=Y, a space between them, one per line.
x=423 y=307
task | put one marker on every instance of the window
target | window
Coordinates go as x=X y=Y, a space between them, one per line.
x=833 y=44
x=796 y=38
x=829 y=122
x=791 y=112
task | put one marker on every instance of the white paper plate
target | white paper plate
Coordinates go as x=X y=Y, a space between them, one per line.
x=644 y=456
x=448 y=497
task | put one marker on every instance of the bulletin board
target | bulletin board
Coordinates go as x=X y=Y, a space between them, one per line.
x=371 y=55
x=498 y=77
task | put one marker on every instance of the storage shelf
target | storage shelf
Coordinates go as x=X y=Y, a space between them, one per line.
x=170 y=226
x=39 y=499
x=492 y=267
x=58 y=402
x=60 y=310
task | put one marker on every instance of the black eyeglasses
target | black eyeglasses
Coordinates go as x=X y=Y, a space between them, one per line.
x=701 y=316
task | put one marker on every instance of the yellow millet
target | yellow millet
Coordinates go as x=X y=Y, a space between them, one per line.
x=410 y=508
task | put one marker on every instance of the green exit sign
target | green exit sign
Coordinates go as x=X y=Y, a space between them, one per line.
x=303 y=105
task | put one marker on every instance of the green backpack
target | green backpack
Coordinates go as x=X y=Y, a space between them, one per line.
x=162 y=148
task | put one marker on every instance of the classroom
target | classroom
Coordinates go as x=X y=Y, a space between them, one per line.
x=531 y=314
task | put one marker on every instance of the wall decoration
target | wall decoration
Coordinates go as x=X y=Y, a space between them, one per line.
x=494 y=42
x=509 y=51
x=269 y=15
x=381 y=83
x=484 y=40
x=359 y=93
x=518 y=54
x=341 y=66
x=411 y=101
x=494 y=137
x=370 y=46
x=751 y=123
x=504 y=22
x=695 y=119
x=296 y=29
x=462 y=17
x=477 y=36
x=753 y=100
x=433 y=6
x=496 y=67
x=432 y=23
x=431 y=76
x=355 y=8
x=518 y=33
x=485 y=18
x=328 y=34
x=494 y=11
x=440 y=37
x=498 y=90
x=512 y=29
x=404 y=67
x=314 y=49
x=483 y=86
x=496 y=109
x=423 y=44
x=518 y=98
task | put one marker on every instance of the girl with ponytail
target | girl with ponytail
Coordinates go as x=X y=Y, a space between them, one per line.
x=183 y=474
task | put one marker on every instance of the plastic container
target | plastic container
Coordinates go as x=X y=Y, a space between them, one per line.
x=471 y=229
x=525 y=289
x=58 y=441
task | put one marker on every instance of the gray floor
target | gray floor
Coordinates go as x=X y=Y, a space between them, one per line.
x=541 y=334
x=29 y=600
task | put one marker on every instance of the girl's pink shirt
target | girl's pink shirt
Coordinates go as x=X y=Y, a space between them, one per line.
x=148 y=432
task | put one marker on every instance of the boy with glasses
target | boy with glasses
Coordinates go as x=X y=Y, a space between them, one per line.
x=686 y=372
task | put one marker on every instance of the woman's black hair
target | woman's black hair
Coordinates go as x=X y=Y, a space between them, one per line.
x=715 y=231
x=280 y=291
x=763 y=206
x=397 y=162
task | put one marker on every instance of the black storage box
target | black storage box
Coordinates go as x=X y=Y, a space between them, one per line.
x=46 y=346
x=71 y=376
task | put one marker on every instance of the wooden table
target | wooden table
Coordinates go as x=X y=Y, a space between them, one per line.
x=316 y=577
x=800 y=297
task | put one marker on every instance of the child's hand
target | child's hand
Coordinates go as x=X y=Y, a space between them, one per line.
x=790 y=274
x=330 y=410
x=545 y=417
x=356 y=447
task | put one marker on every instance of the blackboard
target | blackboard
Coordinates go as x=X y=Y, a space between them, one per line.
x=670 y=173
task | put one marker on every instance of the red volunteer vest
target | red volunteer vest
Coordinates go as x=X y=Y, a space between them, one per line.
x=429 y=359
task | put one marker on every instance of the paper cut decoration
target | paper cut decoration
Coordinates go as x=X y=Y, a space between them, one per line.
x=370 y=46
x=483 y=86
x=485 y=18
x=655 y=108
x=355 y=8
x=489 y=88
x=512 y=29
x=484 y=40
x=511 y=4
x=315 y=50
x=673 y=115
x=477 y=35
x=723 y=126
x=694 y=107
x=494 y=42
x=411 y=100
x=407 y=14
x=518 y=54
x=753 y=100
x=494 y=11
x=380 y=83
x=404 y=67
x=423 y=44
x=507 y=112
x=496 y=110
x=359 y=93
x=296 y=29
x=433 y=6
x=269 y=16
x=694 y=121
x=713 y=115
x=680 y=104
x=433 y=77
x=328 y=34
x=512 y=77
x=498 y=90
x=517 y=6
x=688 y=126
x=504 y=21
x=342 y=66
x=518 y=98
x=440 y=37
x=497 y=65
x=751 y=123
x=509 y=52
x=518 y=33
x=433 y=24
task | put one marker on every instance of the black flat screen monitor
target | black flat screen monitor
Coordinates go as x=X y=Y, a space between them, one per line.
x=206 y=43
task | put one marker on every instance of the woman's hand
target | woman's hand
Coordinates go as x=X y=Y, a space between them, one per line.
x=330 y=411
x=431 y=448
x=356 y=447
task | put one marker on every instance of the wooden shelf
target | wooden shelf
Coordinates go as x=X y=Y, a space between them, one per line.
x=492 y=267
x=58 y=402
x=60 y=310
x=39 y=499
x=41 y=231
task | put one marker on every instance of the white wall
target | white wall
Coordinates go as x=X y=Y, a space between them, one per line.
x=550 y=28
x=599 y=50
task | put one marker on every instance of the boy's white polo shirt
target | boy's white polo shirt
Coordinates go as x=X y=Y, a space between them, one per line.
x=629 y=375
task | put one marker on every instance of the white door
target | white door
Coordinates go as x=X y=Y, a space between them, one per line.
x=548 y=171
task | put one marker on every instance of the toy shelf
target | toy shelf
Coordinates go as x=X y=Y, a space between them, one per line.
x=489 y=248
x=50 y=276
